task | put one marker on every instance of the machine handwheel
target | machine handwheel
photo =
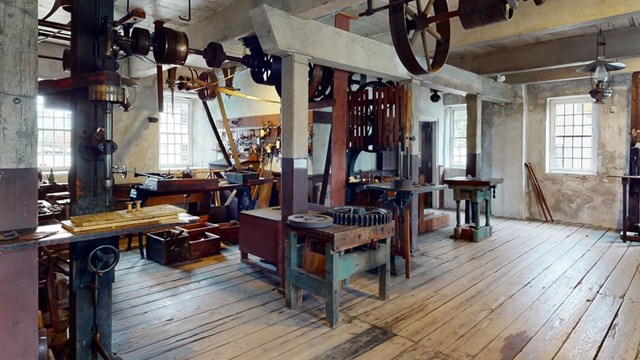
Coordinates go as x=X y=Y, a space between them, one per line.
x=421 y=31
x=103 y=259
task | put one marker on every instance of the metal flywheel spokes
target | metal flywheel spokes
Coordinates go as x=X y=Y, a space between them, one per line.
x=421 y=31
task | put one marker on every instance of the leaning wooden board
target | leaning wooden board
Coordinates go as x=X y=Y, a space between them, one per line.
x=114 y=220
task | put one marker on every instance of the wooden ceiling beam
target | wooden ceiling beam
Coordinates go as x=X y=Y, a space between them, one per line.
x=578 y=50
x=281 y=33
x=552 y=16
x=564 y=73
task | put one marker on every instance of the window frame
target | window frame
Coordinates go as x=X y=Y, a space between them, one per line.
x=167 y=103
x=449 y=115
x=551 y=136
x=41 y=111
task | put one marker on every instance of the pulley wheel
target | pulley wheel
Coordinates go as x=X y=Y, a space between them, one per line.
x=214 y=55
x=103 y=259
x=320 y=82
x=476 y=13
x=207 y=93
x=269 y=72
x=141 y=43
x=170 y=46
x=310 y=221
x=425 y=31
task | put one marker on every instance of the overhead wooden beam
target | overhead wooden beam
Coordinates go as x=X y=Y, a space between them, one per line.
x=233 y=21
x=281 y=33
x=576 y=50
x=552 y=16
x=565 y=73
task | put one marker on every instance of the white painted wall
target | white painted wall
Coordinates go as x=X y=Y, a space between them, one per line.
x=575 y=198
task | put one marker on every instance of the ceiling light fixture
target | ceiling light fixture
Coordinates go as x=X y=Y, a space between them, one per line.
x=599 y=70
x=435 y=97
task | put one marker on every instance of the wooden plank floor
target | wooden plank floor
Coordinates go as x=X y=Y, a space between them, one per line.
x=532 y=291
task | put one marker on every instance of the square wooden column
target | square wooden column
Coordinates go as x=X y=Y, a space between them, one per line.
x=18 y=177
x=414 y=94
x=339 y=126
x=295 y=127
x=474 y=134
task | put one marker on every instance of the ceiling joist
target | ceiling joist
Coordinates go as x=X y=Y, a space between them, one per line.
x=281 y=34
x=551 y=54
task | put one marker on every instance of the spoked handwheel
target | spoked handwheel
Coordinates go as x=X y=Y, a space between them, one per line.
x=423 y=30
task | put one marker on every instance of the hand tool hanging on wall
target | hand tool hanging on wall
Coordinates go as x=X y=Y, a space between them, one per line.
x=428 y=27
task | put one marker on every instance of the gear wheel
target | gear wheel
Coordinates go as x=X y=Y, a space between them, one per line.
x=359 y=215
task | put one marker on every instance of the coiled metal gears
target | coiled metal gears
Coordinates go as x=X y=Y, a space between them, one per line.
x=359 y=215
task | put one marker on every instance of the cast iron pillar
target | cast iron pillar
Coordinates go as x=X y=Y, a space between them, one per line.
x=474 y=134
x=90 y=24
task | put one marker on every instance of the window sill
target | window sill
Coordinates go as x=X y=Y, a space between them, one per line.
x=581 y=174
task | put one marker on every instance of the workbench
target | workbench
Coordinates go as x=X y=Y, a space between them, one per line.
x=342 y=260
x=203 y=195
x=403 y=241
x=473 y=191
x=54 y=234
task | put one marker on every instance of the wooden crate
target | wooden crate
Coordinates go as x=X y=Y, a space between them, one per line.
x=167 y=247
x=433 y=221
x=197 y=230
x=228 y=231
x=203 y=245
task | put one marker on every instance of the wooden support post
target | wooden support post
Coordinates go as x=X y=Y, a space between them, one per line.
x=340 y=126
x=227 y=128
x=474 y=134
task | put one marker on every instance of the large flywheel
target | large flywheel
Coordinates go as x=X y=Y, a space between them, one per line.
x=422 y=28
x=421 y=31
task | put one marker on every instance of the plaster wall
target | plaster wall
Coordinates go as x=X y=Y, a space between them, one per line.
x=589 y=199
x=503 y=127
x=204 y=142
x=138 y=139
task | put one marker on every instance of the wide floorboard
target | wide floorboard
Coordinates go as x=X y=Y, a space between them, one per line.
x=533 y=290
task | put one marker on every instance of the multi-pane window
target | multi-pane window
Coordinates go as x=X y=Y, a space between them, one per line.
x=571 y=141
x=54 y=137
x=458 y=116
x=174 y=134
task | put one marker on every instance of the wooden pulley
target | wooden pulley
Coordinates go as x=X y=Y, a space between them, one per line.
x=170 y=46
x=476 y=13
x=320 y=82
x=214 y=55
x=208 y=92
x=140 y=41
x=185 y=83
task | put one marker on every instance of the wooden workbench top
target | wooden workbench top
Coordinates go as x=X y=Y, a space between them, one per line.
x=415 y=189
x=343 y=237
x=472 y=182
x=55 y=234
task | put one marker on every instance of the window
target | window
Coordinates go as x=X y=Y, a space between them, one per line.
x=54 y=137
x=174 y=134
x=571 y=140
x=458 y=134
